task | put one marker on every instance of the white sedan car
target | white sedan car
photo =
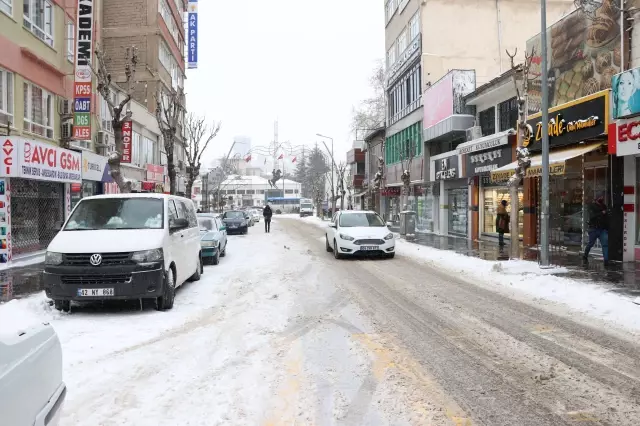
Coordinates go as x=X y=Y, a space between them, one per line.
x=355 y=232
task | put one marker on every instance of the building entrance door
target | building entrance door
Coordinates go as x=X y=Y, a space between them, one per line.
x=595 y=185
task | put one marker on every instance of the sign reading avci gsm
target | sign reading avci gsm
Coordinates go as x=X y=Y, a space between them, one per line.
x=83 y=89
x=583 y=119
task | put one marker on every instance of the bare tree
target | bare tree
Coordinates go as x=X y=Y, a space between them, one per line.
x=199 y=135
x=520 y=72
x=342 y=167
x=406 y=154
x=376 y=182
x=105 y=87
x=370 y=114
x=349 y=186
x=169 y=108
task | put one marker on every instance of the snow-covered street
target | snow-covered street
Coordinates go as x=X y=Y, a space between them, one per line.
x=280 y=333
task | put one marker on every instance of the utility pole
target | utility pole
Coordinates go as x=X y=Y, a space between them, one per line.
x=544 y=222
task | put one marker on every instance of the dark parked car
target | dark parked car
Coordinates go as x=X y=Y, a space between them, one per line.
x=236 y=221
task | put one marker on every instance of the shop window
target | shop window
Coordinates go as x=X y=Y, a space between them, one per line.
x=487 y=120
x=6 y=97
x=492 y=199
x=508 y=114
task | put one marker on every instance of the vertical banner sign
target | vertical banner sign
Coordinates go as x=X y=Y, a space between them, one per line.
x=193 y=34
x=127 y=135
x=5 y=221
x=82 y=82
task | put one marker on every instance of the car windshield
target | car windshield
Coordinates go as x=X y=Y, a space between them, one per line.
x=206 y=223
x=117 y=213
x=351 y=220
x=233 y=215
x=306 y=206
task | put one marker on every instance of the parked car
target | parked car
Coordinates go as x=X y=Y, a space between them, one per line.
x=31 y=388
x=124 y=246
x=213 y=238
x=257 y=215
x=236 y=221
x=356 y=232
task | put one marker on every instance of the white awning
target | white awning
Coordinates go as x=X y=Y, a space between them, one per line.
x=485 y=142
x=557 y=160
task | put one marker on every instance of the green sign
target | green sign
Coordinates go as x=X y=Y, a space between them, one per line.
x=82 y=119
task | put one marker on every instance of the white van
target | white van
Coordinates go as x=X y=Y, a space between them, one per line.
x=124 y=246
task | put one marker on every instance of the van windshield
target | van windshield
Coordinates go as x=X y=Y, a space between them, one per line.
x=117 y=213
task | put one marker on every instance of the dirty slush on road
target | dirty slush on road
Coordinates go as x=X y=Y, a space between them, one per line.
x=503 y=361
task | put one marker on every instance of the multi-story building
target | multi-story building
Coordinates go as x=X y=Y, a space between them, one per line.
x=374 y=141
x=356 y=163
x=424 y=46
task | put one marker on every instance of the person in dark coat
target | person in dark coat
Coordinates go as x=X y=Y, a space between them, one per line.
x=502 y=222
x=267 y=213
x=598 y=228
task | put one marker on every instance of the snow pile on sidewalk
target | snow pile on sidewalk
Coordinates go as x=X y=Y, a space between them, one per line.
x=314 y=220
x=582 y=296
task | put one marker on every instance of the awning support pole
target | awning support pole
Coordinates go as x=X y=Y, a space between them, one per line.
x=544 y=217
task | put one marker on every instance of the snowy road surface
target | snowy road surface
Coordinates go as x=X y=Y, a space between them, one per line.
x=280 y=333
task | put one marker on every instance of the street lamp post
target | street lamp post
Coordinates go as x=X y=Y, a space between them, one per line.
x=333 y=202
x=544 y=219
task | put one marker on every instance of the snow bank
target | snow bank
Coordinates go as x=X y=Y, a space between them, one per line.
x=583 y=296
x=31 y=260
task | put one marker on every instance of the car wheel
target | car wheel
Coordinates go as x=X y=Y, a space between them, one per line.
x=326 y=245
x=336 y=250
x=62 y=305
x=224 y=251
x=216 y=259
x=198 y=274
x=165 y=302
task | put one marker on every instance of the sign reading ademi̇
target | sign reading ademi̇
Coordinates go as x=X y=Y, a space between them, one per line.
x=82 y=90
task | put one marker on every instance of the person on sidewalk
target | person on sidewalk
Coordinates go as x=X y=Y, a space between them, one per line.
x=267 y=213
x=502 y=222
x=598 y=228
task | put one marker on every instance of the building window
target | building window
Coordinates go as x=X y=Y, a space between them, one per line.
x=240 y=191
x=38 y=111
x=167 y=15
x=136 y=149
x=288 y=191
x=6 y=6
x=391 y=55
x=402 y=42
x=260 y=191
x=390 y=9
x=105 y=114
x=488 y=121
x=508 y=114
x=165 y=55
x=414 y=26
x=404 y=96
x=402 y=4
x=149 y=155
x=6 y=97
x=38 y=18
x=251 y=191
x=71 y=39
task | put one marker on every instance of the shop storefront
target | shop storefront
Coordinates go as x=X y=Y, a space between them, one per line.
x=95 y=177
x=35 y=194
x=391 y=196
x=453 y=202
x=155 y=179
x=481 y=156
x=579 y=169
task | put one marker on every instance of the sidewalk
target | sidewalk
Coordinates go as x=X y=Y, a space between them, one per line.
x=20 y=281
x=622 y=278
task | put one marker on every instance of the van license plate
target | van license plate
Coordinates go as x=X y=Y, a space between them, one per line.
x=95 y=292
x=369 y=248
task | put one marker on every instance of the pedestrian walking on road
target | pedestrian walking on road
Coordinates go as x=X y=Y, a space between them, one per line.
x=502 y=222
x=267 y=213
x=598 y=228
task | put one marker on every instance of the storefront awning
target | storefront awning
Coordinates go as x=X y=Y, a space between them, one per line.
x=485 y=142
x=557 y=160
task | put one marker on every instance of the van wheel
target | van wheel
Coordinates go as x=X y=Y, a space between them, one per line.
x=165 y=302
x=198 y=274
x=62 y=305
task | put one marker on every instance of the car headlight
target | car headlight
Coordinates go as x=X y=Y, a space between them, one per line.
x=346 y=237
x=146 y=256
x=211 y=243
x=389 y=236
x=52 y=258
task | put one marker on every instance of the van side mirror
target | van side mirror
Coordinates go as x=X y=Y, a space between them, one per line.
x=179 y=223
x=332 y=225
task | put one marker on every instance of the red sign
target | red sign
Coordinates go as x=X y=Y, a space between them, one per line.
x=82 y=89
x=390 y=192
x=127 y=135
x=155 y=172
x=628 y=137
x=7 y=161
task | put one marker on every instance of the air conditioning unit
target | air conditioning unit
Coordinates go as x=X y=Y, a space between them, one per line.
x=66 y=107
x=102 y=139
x=66 y=131
x=473 y=133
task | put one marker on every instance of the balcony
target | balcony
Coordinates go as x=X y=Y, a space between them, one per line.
x=357 y=181
x=355 y=156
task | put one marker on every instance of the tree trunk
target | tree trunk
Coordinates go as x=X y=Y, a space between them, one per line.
x=514 y=228
x=115 y=157
x=171 y=170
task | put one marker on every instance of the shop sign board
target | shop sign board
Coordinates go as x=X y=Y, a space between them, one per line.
x=556 y=169
x=626 y=93
x=5 y=221
x=83 y=75
x=192 y=34
x=391 y=191
x=628 y=136
x=95 y=167
x=155 y=173
x=583 y=119
x=446 y=168
x=29 y=159
x=482 y=163
x=127 y=141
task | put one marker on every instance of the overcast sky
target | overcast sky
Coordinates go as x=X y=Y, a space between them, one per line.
x=304 y=62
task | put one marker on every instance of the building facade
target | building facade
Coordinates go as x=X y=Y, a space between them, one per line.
x=356 y=164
